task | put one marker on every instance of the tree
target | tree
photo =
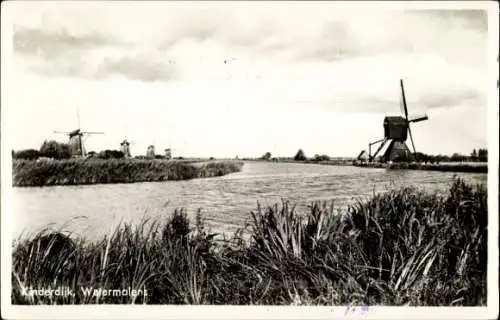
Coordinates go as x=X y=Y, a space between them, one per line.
x=300 y=156
x=482 y=154
x=54 y=149
x=266 y=156
x=457 y=157
x=473 y=155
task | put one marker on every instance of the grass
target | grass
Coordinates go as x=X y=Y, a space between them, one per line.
x=448 y=167
x=92 y=171
x=404 y=247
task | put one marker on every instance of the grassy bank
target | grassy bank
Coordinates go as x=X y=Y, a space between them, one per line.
x=92 y=171
x=447 y=167
x=402 y=247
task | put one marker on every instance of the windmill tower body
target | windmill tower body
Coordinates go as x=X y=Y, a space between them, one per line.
x=76 y=144
x=125 y=148
x=168 y=154
x=150 y=153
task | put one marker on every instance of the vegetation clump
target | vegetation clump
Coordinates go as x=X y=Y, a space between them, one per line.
x=48 y=172
x=300 y=156
x=404 y=247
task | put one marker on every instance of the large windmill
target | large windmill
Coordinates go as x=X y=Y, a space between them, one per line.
x=76 y=139
x=396 y=131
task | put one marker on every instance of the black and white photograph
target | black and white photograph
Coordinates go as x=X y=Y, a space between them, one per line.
x=249 y=159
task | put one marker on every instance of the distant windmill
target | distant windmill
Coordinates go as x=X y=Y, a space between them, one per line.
x=125 y=148
x=76 y=140
x=168 y=153
x=150 y=152
x=125 y=144
x=396 y=130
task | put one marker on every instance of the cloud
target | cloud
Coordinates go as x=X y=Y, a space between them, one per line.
x=457 y=35
x=178 y=34
x=451 y=99
x=51 y=44
x=61 y=53
x=138 y=68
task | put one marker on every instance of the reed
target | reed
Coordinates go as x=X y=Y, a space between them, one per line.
x=404 y=247
x=46 y=172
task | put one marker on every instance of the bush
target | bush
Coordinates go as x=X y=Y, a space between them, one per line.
x=111 y=154
x=55 y=150
x=266 y=156
x=322 y=157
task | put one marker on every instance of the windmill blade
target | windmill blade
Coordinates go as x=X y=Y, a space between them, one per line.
x=404 y=99
x=420 y=118
x=78 y=116
x=65 y=132
x=411 y=139
x=92 y=132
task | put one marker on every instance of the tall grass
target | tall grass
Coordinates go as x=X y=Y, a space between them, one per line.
x=91 y=171
x=404 y=247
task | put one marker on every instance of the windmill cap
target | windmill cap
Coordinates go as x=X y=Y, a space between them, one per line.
x=395 y=120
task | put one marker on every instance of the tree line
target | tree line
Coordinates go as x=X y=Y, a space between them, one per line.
x=477 y=155
x=299 y=156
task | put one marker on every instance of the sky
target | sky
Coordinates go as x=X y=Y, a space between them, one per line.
x=240 y=79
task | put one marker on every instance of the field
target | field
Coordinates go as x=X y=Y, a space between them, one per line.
x=92 y=171
x=403 y=247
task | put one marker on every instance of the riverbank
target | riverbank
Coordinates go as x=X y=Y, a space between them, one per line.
x=478 y=167
x=45 y=172
x=445 y=167
x=332 y=162
x=404 y=247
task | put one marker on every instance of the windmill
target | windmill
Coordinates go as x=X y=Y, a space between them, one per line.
x=76 y=139
x=396 y=131
x=126 y=143
x=125 y=147
x=169 y=151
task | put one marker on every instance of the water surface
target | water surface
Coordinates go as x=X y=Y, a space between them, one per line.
x=225 y=202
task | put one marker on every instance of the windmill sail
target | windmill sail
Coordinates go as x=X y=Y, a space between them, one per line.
x=401 y=103
x=403 y=100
